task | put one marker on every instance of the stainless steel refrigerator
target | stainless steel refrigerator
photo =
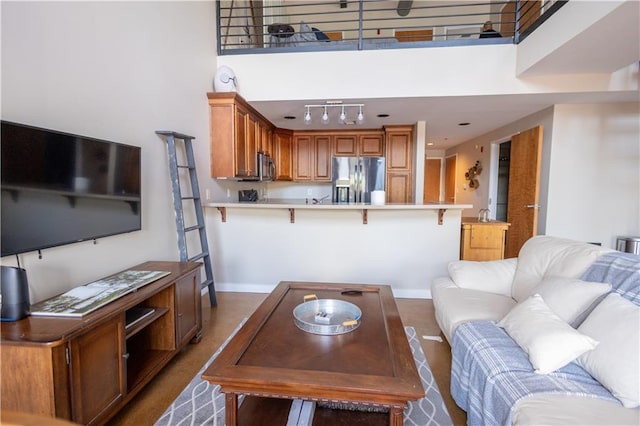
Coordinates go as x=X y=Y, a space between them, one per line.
x=354 y=178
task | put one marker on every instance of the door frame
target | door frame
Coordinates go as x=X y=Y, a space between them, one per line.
x=494 y=160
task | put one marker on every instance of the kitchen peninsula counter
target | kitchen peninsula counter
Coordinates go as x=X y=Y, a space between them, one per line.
x=256 y=245
x=294 y=204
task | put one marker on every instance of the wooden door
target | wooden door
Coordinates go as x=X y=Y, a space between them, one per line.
x=345 y=145
x=187 y=308
x=322 y=158
x=252 y=144
x=97 y=371
x=529 y=13
x=302 y=157
x=241 y=166
x=524 y=189
x=508 y=19
x=399 y=187
x=282 y=141
x=371 y=145
x=432 y=168
x=450 y=179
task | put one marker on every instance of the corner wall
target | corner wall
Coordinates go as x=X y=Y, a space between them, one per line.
x=117 y=71
x=590 y=176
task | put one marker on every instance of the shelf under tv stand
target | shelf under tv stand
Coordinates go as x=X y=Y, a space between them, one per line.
x=86 y=369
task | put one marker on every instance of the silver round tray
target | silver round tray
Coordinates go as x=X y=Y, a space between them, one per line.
x=326 y=316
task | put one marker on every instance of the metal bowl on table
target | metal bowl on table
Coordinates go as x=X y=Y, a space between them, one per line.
x=326 y=316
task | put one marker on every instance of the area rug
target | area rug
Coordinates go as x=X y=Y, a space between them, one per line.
x=202 y=403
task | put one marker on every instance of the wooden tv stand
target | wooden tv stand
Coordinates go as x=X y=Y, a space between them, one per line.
x=86 y=369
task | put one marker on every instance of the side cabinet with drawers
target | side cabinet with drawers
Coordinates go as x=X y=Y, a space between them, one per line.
x=85 y=369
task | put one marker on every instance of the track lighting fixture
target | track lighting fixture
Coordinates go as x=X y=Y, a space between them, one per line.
x=344 y=110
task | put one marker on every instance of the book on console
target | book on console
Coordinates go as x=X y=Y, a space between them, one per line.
x=85 y=299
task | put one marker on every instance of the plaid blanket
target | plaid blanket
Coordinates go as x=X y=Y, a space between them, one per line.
x=490 y=372
x=621 y=270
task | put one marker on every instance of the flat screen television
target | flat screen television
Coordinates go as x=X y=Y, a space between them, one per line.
x=58 y=188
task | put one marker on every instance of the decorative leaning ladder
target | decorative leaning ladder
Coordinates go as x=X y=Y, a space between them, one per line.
x=178 y=200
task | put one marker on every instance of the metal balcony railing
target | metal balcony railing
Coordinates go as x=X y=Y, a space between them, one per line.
x=266 y=26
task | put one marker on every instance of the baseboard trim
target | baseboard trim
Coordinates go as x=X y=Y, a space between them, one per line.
x=262 y=288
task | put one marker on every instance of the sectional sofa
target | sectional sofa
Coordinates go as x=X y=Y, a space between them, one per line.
x=550 y=337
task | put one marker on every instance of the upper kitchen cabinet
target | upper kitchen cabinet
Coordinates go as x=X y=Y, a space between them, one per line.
x=311 y=157
x=359 y=143
x=399 y=153
x=282 y=150
x=238 y=133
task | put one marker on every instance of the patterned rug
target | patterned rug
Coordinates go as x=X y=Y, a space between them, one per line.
x=202 y=403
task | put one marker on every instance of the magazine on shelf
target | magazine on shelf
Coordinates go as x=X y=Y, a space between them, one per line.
x=137 y=314
x=82 y=300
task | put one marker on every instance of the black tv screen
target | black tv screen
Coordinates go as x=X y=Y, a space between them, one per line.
x=59 y=188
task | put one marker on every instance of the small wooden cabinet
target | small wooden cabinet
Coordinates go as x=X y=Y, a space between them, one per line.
x=399 y=154
x=237 y=134
x=85 y=369
x=359 y=144
x=482 y=240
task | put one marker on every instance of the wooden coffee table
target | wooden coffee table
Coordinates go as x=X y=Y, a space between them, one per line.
x=271 y=361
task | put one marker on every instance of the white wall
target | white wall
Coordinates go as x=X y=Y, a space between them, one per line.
x=470 y=152
x=590 y=173
x=117 y=71
x=594 y=173
x=257 y=248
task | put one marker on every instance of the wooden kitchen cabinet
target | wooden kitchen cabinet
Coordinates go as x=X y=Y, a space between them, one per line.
x=312 y=158
x=85 y=369
x=283 y=151
x=371 y=144
x=237 y=133
x=359 y=144
x=345 y=145
x=482 y=240
x=399 y=154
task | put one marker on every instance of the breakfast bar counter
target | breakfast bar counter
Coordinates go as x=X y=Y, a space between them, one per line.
x=255 y=245
x=315 y=204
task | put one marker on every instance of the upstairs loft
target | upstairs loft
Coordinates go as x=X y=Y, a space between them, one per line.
x=585 y=52
x=275 y=26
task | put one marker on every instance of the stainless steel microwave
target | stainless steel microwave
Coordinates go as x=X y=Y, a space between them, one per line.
x=266 y=167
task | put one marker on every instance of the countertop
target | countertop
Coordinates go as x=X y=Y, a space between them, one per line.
x=475 y=221
x=295 y=203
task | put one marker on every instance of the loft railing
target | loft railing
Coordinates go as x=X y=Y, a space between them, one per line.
x=267 y=26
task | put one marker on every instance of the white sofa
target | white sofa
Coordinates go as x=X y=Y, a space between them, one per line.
x=488 y=291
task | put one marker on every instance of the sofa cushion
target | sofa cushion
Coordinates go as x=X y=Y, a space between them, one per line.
x=570 y=298
x=493 y=276
x=561 y=410
x=544 y=256
x=549 y=342
x=615 y=363
x=454 y=306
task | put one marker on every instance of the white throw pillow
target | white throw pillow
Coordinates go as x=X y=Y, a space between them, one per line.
x=550 y=342
x=615 y=363
x=491 y=276
x=570 y=298
x=544 y=255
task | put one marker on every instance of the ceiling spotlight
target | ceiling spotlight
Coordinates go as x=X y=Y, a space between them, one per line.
x=307 y=117
x=325 y=117
x=344 y=116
